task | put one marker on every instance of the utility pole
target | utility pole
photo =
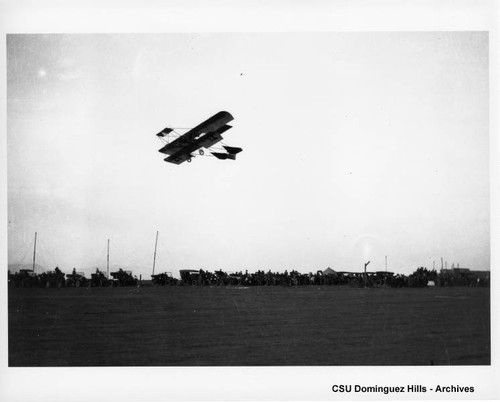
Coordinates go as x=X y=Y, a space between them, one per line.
x=107 y=264
x=154 y=257
x=366 y=264
x=34 y=254
x=385 y=263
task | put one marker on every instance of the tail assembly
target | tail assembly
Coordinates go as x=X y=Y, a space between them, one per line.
x=231 y=153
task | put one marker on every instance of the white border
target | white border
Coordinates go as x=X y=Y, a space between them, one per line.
x=286 y=383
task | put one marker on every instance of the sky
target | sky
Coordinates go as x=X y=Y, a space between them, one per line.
x=356 y=146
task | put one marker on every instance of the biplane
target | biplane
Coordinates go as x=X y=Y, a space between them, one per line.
x=182 y=147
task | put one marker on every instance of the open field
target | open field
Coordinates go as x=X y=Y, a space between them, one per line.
x=231 y=326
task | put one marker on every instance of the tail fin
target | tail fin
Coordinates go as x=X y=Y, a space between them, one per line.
x=233 y=150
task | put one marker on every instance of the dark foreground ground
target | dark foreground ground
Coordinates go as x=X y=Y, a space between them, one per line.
x=229 y=326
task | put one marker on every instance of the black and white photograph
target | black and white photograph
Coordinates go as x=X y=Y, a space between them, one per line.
x=206 y=206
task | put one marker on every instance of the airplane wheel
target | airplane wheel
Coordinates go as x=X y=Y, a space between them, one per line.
x=202 y=152
x=189 y=160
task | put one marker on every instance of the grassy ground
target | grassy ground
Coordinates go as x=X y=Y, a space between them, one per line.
x=228 y=326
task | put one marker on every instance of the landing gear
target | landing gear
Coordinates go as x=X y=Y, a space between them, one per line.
x=202 y=152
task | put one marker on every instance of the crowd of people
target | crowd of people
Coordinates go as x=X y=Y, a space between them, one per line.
x=422 y=277
x=292 y=278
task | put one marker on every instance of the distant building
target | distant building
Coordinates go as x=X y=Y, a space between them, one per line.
x=455 y=270
x=464 y=271
x=464 y=277
x=329 y=272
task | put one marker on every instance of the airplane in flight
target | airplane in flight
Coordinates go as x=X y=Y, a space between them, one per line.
x=182 y=147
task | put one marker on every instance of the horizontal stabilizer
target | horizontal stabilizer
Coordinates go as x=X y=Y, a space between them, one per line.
x=164 y=132
x=223 y=156
x=233 y=150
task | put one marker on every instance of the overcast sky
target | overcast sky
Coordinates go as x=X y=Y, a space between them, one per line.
x=356 y=146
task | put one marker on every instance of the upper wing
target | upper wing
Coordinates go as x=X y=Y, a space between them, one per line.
x=216 y=124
